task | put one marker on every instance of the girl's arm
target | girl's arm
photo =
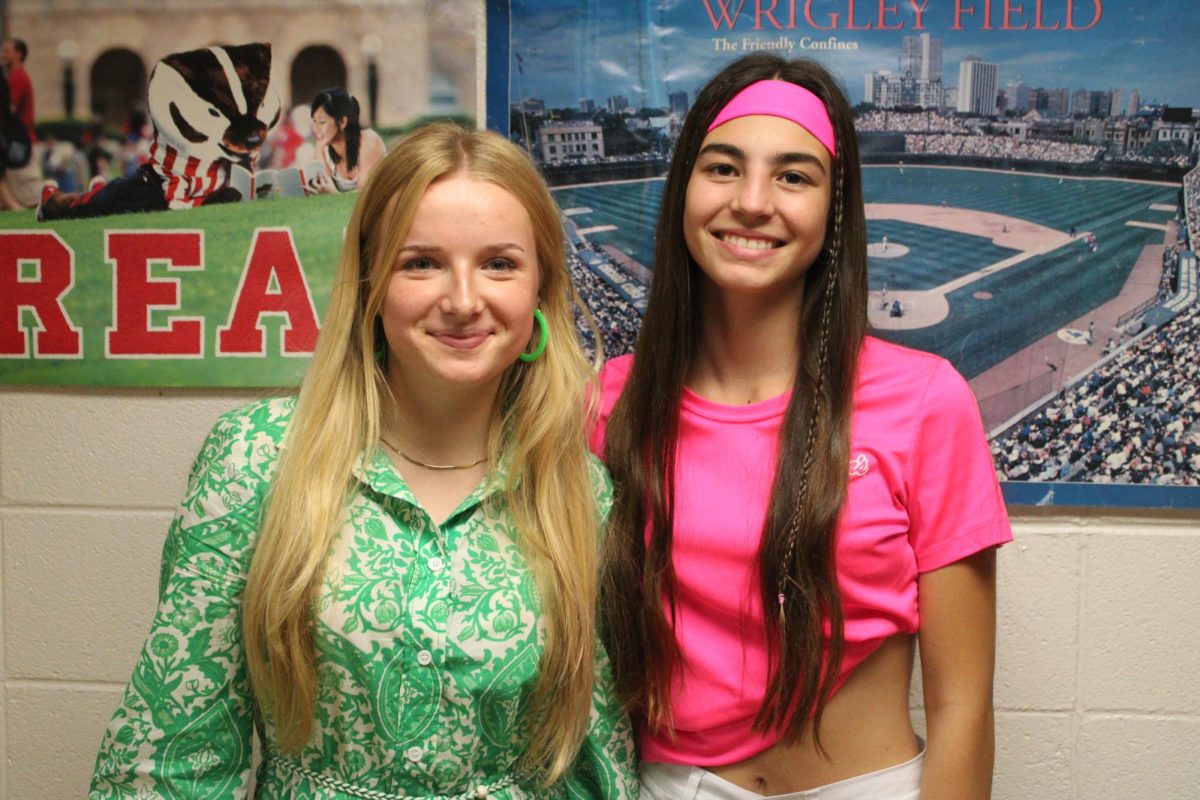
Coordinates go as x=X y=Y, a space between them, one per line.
x=185 y=723
x=958 y=644
x=957 y=521
x=372 y=150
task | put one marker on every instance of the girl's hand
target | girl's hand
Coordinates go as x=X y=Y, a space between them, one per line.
x=321 y=183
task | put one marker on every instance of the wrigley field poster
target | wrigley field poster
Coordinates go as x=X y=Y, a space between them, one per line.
x=1031 y=187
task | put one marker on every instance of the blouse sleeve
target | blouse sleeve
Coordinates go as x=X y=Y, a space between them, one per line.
x=184 y=725
x=954 y=502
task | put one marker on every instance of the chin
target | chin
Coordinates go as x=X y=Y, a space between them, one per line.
x=467 y=378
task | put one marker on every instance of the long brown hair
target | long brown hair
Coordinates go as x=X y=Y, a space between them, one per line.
x=538 y=431
x=796 y=555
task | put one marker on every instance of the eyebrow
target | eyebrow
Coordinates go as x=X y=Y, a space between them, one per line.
x=434 y=248
x=776 y=160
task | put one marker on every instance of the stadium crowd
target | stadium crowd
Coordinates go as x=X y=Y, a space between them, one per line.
x=907 y=122
x=1136 y=419
x=1178 y=160
x=984 y=146
x=616 y=318
x=1168 y=284
x=1191 y=204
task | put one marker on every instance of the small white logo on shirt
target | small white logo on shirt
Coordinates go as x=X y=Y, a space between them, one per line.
x=858 y=465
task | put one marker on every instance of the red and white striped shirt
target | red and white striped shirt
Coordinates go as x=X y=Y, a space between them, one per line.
x=187 y=180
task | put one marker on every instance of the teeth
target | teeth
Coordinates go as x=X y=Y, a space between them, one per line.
x=748 y=244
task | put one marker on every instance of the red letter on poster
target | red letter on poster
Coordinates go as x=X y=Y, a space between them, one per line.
x=53 y=264
x=1038 y=25
x=1071 y=26
x=134 y=294
x=919 y=11
x=769 y=13
x=884 y=10
x=272 y=258
x=1010 y=11
x=959 y=10
x=723 y=7
x=833 y=18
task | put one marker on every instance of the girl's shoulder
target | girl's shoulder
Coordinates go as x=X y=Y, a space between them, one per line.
x=890 y=370
x=371 y=143
x=244 y=444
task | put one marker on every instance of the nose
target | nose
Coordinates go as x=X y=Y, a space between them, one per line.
x=753 y=197
x=462 y=297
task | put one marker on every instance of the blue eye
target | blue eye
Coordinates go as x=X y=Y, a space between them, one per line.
x=500 y=265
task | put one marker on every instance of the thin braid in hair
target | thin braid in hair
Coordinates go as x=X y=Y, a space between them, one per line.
x=793 y=531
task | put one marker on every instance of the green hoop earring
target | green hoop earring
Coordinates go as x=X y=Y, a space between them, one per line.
x=542 y=341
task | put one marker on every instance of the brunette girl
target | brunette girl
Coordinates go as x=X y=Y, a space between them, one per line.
x=348 y=151
x=798 y=504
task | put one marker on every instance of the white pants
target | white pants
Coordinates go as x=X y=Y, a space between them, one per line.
x=681 y=782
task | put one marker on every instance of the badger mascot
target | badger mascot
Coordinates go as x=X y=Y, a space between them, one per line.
x=211 y=110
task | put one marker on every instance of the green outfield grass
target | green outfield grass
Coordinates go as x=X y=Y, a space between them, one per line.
x=316 y=224
x=935 y=256
x=1039 y=295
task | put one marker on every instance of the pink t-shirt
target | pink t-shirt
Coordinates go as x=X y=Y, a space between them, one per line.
x=922 y=494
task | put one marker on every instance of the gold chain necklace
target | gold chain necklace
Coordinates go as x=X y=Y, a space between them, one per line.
x=439 y=467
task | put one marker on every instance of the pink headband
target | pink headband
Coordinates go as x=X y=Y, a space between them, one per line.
x=781 y=99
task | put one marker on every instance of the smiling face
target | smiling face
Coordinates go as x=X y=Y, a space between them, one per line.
x=325 y=128
x=459 y=304
x=756 y=205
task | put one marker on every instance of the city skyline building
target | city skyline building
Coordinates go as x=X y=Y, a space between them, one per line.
x=922 y=57
x=1081 y=101
x=1058 y=102
x=1018 y=95
x=570 y=141
x=977 y=86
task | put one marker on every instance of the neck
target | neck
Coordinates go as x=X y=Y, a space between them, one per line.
x=447 y=426
x=749 y=346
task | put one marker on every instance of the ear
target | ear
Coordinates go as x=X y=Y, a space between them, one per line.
x=343 y=122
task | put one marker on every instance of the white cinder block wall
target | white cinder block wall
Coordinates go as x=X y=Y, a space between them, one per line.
x=1098 y=673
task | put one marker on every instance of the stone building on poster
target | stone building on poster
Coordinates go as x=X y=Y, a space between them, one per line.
x=93 y=57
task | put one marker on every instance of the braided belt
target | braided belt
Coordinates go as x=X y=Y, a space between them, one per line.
x=481 y=792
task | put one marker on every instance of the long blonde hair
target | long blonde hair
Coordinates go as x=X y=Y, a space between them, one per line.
x=538 y=432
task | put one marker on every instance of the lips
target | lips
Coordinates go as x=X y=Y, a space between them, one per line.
x=460 y=340
x=744 y=242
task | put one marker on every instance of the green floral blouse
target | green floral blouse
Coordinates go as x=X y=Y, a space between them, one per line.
x=428 y=646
